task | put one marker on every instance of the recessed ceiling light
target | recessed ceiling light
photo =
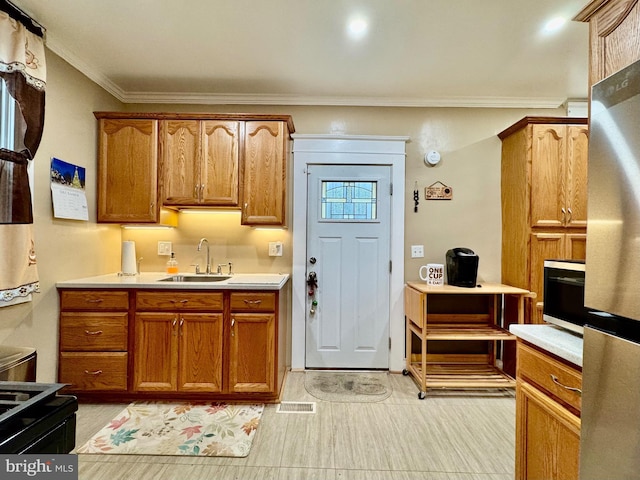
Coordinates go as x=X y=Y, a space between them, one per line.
x=357 y=28
x=554 y=24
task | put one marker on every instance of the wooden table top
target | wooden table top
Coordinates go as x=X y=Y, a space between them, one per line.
x=489 y=288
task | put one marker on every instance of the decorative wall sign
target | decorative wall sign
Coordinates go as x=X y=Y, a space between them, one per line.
x=438 y=191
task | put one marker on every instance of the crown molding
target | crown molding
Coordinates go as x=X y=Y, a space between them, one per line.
x=191 y=98
x=84 y=68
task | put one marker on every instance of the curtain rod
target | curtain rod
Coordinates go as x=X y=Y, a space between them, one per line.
x=19 y=14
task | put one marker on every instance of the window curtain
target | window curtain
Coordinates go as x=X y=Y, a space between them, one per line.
x=23 y=69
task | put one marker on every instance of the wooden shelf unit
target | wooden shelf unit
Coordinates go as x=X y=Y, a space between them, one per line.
x=458 y=314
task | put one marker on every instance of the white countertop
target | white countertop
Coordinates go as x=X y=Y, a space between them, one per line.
x=557 y=340
x=238 y=281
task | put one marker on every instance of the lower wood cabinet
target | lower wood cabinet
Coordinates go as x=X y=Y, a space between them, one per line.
x=94 y=340
x=547 y=416
x=178 y=344
x=191 y=343
x=252 y=347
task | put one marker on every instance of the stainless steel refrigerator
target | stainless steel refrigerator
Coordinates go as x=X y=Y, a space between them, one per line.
x=610 y=431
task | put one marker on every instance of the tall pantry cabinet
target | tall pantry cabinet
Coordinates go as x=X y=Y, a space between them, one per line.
x=544 y=200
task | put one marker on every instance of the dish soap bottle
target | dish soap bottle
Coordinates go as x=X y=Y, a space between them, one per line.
x=172 y=264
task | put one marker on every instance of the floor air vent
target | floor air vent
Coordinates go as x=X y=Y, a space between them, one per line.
x=296 y=407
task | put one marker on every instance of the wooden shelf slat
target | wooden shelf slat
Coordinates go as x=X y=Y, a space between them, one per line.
x=468 y=332
x=464 y=376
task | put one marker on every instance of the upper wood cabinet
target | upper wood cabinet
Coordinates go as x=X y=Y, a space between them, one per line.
x=200 y=162
x=544 y=199
x=128 y=171
x=559 y=175
x=178 y=160
x=265 y=173
x=614 y=36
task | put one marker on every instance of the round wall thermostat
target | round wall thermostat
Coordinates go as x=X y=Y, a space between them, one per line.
x=432 y=158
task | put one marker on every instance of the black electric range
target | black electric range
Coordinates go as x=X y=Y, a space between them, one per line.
x=35 y=419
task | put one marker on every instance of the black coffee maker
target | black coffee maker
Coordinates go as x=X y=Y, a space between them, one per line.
x=462 y=267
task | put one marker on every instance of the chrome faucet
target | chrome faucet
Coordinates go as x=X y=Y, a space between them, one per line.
x=208 y=269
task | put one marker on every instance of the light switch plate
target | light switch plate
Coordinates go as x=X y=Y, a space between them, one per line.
x=164 y=248
x=417 y=251
x=275 y=249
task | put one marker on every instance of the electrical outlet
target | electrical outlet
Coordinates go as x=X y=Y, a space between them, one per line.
x=164 y=248
x=275 y=249
x=417 y=251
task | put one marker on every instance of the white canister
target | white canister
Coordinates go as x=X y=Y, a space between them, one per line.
x=434 y=274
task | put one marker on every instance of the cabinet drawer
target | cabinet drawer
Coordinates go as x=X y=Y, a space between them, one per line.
x=540 y=369
x=174 y=300
x=94 y=300
x=253 y=301
x=93 y=331
x=93 y=371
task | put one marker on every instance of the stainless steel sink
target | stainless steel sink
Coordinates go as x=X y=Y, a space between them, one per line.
x=195 y=278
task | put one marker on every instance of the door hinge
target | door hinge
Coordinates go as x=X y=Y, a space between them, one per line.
x=391 y=189
x=390 y=266
x=389 y=343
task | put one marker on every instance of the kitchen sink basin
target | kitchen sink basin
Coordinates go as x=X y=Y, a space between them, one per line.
x=195 y=278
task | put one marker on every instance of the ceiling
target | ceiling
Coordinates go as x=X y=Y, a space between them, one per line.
x=470 y=53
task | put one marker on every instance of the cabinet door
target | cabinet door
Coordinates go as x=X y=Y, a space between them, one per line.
x=547 y=437
x=547 y=175
x=614 y=36
x=128 y=171
x=200 y=358
x=576 y=246
x=180 y=162
x=264 y=176
x=156 y=352
x=576 y=176
x=543 y=246
x=219 y=168
x=252 y=352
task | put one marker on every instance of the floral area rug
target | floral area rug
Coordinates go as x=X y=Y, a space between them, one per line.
x=158 y=428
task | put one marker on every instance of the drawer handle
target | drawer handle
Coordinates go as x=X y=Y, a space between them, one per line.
x=95 y=300
x=555 y=380
x=96 y=372
x=96 y=332
x=184 y=302
x=253 y=302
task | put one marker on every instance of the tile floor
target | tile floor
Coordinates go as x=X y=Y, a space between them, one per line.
x=447 y=436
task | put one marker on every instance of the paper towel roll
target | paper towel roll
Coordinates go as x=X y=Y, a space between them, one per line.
x=129 y=258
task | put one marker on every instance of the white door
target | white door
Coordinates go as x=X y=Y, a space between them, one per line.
x=348 y=249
